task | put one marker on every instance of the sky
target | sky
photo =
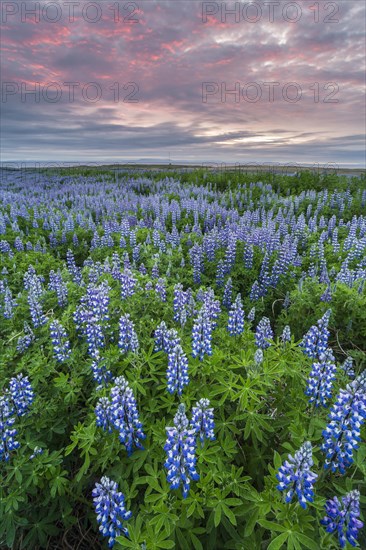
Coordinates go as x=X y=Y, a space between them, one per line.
x=221 y=82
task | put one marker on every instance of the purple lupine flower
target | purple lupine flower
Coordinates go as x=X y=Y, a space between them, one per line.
x=182 y=304
x=58 y=285
x=263 y=333
x=92 y=316
x=101 y=374
x=160 y=289
x=197 y=262
x=255 y=292
x=155 y=271
x=181 y=459
x=103 y=414
x=320 y=381
x=342 y=518
x=170 y=340
x=202 y=335
x=21 y=394
x=111 y=510
x=9 y=304
x=248 y=256
x=125 y=415
x=348 y=367
x=60 y=342
x=159 y=335
x=286 y=334
x=327 y=295
x=72 y=268
x=177 y=372
x=295 y=475
x=128 y=284
x=236 y=318
x=251 y=315
x=8 y=434
x=220 y=273
x=211 y=305
x=228 y=291
x=128 y=340
x=258 y=357
x=25 y=341
x=315 y=341
x=35 y=308
x=346 y=416
x=203 y=420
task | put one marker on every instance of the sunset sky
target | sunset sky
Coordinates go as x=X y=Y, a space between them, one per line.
x=170 y=50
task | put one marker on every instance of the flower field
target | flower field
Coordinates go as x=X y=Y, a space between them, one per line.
x=182 y=361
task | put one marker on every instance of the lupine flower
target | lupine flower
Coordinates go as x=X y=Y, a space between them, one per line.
x=346 y=416
x=103 y=414
x=202 y=335
x=160 y=289
x=128 y=340
x=197 y=262
x=177 y=373
x=125 y=416
x=35 y=308
x=203 y=420
x=60 y=342
x=220 y=273
x=59 y=286
x=155 y=272
x=263 y=333
x=236 y=318
x=286 y=334
x=295 y=475
x=211 y=305
x=258 y=357
x=251 y=315
x=315 y=341
x=255 y=291
x=21 y=393
x=72 y=268
x=180 y=447
x=9 y=304
x=159 y=334
x=348 y=367
x=101 y=374
x=228 y=290
x=342 y=517
x=128 y=284
x=320 y=381
x=171 y=339
x=111 y=510
x=25 y=341
x=8 y=434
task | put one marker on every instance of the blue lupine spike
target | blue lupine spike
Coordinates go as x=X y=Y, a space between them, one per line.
x=295 y=475
x=111 y=510
x=346 y=416
x=177 y=372
x=181 y=459
x=342 y=518
x=203 y=420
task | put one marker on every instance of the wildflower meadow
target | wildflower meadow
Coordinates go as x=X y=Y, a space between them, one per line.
x=182 y=360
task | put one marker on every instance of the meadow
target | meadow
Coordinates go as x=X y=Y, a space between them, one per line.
x=182 y=360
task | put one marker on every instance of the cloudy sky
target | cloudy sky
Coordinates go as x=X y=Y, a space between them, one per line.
x=199 y=81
